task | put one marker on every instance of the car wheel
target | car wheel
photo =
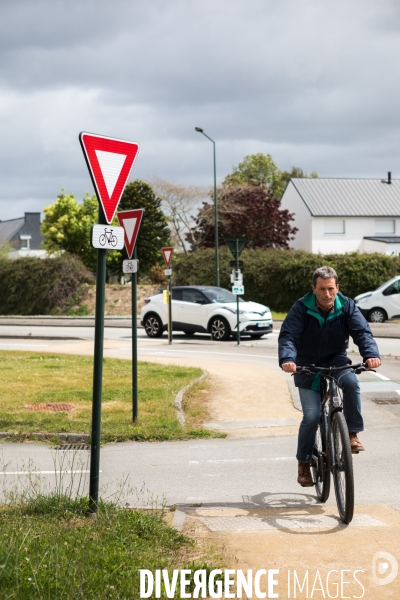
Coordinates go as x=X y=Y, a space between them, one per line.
x=153 y=326
x=377 y=315
x=220 y=330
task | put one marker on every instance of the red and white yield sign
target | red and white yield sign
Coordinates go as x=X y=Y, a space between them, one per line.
x=109 y=162
x=167 y=254
x=130 y=220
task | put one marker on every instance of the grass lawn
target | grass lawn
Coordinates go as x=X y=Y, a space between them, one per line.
x=50 y=550
x=31 y=378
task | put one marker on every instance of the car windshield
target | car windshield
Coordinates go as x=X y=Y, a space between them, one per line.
x=387 y=283
x=219 y=295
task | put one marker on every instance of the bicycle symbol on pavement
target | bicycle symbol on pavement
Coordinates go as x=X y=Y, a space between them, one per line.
x=108 y=237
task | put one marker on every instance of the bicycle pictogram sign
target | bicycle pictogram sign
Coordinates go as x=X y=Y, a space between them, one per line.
x=103 y=238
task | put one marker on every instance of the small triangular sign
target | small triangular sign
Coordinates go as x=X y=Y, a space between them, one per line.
x=130 y=220
x=167 y=254
x=109 y=161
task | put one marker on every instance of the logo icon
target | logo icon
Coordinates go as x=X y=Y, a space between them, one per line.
x=381 y=561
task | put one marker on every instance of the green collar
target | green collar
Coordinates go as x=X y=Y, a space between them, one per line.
x=310 y=302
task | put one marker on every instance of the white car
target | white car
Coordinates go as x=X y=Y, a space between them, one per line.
x=383 y=303
x=205 y=309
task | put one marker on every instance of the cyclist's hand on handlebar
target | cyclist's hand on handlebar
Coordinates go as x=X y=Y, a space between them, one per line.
x=289 y=367
x=373 y=363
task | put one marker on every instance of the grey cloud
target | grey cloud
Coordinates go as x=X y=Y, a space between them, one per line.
x=313 y=83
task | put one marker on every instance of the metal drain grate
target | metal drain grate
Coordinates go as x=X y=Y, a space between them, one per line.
x=389 y=400
x=52 y=407
x=72 y=447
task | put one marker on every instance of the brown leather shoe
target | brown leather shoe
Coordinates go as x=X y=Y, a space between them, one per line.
x=304 y=475
x=356 y=445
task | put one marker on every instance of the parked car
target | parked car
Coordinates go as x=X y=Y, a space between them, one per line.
x=383 y=303
x=205 y=309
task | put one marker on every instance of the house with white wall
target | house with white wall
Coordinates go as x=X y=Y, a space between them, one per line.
x=345 y=215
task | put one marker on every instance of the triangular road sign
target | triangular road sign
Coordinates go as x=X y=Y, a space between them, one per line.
x=167 y=254
x=236 y=245
x=130 y=220
x=109 y=162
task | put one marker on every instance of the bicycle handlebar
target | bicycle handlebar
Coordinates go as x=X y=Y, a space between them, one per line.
x=313 y=369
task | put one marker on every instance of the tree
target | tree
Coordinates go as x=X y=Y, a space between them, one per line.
x=261 y=168
x=179 y=203
x=245 y=210
x=66 y=227
x=154 y=232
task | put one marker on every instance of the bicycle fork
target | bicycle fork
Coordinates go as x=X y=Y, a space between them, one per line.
x=334 y=406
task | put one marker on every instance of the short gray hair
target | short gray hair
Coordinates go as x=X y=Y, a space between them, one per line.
x=324 y=273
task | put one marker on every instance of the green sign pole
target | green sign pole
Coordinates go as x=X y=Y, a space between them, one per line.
x=97 y=376
x=135 y=391
x=170 y=334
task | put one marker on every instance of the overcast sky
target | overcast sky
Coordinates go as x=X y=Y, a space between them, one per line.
x=315 y=83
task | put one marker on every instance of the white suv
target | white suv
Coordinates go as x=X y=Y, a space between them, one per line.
x=205 y=309
x=383 y=303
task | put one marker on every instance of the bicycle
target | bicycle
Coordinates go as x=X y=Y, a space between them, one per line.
x=332 y=451
x=108 y=237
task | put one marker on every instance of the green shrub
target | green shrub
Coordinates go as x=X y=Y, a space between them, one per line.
x=35 y=286
x=278 y=277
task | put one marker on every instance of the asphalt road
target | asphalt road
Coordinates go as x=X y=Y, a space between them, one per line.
x=224 y=472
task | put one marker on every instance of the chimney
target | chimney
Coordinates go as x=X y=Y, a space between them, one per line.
x=389 y=178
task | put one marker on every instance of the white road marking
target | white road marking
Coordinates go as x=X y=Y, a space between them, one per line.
x=24 y=345
x=292 y=522
x=383 y=377
x=217 y=353
x=205 y=475
x=53 y=472
x=239 y=460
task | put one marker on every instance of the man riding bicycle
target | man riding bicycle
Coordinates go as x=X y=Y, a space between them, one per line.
x=316 y=332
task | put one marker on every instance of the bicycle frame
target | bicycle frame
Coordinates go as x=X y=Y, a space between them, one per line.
x=335 y=404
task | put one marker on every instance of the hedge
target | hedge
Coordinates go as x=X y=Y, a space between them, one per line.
x=278 y=277
x=35 y=286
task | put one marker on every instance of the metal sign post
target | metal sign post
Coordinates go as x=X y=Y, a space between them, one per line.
x=131 y=220
x=135 y=390
x=97 y=377
x=237 y=296
x=236 y=246
x=109 y=162
x=170 y=334
x=167 y=254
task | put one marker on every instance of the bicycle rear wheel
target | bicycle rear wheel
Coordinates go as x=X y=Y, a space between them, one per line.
x=343 y=476
x=320 y=464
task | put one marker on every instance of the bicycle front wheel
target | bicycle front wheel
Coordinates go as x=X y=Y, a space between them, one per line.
x=343 y=476
x=320 y=464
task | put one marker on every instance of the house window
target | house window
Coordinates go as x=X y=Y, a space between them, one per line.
x=25 y=242
x=384 y=226
x=334 y=226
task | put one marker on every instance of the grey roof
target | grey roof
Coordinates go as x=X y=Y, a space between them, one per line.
x=9 y=228
x=386 y=239
x=349 y=197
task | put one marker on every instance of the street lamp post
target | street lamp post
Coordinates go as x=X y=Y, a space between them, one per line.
x=215 y=210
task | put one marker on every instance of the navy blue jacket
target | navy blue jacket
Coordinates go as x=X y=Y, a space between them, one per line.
x=307 y=339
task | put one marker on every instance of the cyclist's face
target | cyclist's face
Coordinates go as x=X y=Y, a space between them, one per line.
x=325 y=291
